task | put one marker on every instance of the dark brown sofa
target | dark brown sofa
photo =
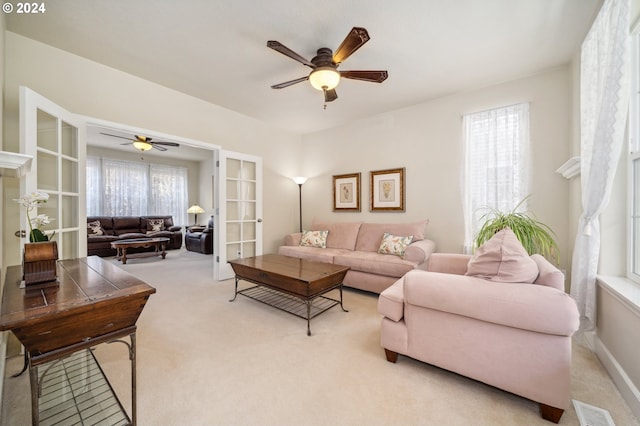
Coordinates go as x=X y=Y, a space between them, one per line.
x=114 y=228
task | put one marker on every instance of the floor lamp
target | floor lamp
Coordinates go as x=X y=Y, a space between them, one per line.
x=300 y=180
x=195 y=209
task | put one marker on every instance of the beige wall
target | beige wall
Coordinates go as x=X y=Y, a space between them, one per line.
x=426 y=139
x=94 y=90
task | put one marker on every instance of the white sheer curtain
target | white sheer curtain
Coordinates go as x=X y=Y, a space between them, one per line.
x=168 y=192
x=125 y=188
x=94 y=186
x=495 y=174
x=604 y=99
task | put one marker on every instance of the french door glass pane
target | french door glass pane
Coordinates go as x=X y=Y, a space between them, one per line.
x=69 y=211
x=50 y=208
x=233 y=168
x=249 y=249
x=233 y=232
x=69 y=245
x=69 y=175
x=47 y=172
x=248 y=170
x=69 y=140
x=249 y=231
x=233 y=251
x=47 y=131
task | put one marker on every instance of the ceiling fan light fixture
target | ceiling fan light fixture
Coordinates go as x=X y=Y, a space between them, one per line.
x=142 y=146
x=324 y=78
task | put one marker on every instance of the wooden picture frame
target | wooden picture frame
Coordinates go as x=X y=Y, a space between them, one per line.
x=387 y=190
x=346 y=192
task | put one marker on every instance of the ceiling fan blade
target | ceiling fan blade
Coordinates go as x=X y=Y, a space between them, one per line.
x=354 y=40
x=279 y=47
x=289 y=83
x=158 y=147
x=164 y=143
x=372 y=76
x=330 y=95
x=115 y=136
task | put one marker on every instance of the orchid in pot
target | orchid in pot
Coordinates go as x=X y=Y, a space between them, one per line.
x=31 y=201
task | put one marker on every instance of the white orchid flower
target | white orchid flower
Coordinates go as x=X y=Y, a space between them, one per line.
x=41 y=219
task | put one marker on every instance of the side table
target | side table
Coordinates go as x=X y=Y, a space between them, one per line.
x=94 y=302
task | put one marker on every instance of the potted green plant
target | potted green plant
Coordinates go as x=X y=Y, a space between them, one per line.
x=535 y=236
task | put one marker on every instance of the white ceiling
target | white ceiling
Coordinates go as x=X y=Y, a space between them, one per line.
x=216 y=50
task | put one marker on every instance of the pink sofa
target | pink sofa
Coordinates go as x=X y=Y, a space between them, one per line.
x=356 y=244
x=514 y=336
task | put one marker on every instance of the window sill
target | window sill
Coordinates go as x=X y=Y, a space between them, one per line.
x=627 y=291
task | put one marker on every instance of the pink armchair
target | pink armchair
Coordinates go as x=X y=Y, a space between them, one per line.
x=514 y=336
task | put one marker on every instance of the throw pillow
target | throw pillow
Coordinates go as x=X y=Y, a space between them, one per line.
x=314 y=239
x=95 y=228
x=155 y=225
x=393 y=244
x=503 y=259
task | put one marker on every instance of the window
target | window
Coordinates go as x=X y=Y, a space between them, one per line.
x=496 y=146
x=634 y=164
x=124 y=188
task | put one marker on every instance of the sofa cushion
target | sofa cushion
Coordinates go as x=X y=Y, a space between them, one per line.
x=342 y=235
x=314 y=239
x=324 y=255
x=95 y=228
x=132 y=235
x=374 y=263
x=155 y=225
x=126 y=224
x=504 y=259
x=370 y=235
x=394 y=244
x=106 y=222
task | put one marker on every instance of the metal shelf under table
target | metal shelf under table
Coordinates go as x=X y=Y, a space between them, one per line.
x=75 y=391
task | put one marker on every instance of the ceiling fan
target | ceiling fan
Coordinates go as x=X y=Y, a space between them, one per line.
x=144 y=143
x=324 y=75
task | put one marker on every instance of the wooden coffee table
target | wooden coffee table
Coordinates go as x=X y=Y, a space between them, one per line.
x=290 y=284
x=158 y=243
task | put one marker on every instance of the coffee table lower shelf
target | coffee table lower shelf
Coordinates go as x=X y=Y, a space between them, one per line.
x=305 y=309
x=74 y=390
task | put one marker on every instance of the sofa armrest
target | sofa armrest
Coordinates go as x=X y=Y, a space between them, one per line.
x=419 y=252
x=391 y=301
x=525 y=306
x=174 y=228
x=293 y=239
x=548 y=274
x=448 y=263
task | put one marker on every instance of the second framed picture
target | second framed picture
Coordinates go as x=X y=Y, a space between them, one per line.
x=387 y=190
x=346 y=192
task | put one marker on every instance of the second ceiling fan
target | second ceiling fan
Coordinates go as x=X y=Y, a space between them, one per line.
x=143 y=143
x=324 y=75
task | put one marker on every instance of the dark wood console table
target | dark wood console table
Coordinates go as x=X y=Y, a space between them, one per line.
x=94 y=302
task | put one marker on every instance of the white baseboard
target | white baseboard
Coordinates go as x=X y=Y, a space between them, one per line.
x=627 y=389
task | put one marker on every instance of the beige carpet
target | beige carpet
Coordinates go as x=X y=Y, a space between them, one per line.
x=205 y=361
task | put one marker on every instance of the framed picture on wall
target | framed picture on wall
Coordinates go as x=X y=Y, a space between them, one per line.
x=346 y=192
x=387 y=190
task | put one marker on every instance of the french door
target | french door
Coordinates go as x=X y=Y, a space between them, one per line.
x=239 y=226
x=55 y=138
